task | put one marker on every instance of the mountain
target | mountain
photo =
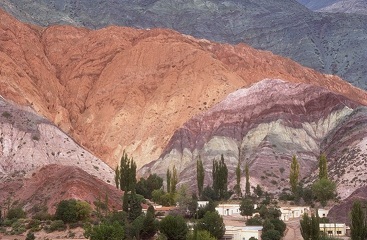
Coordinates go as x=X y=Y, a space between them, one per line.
x=122 y=88
x=329 y=43
x=340 y=212
x=337 y=6
x=265 y=125
x=53 y=183
x=29 y=142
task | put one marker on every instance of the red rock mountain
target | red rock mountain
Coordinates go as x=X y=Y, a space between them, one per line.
x=54 y=183
x=122 y=88
x=264 y=126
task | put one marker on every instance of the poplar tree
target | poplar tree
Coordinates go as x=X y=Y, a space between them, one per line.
x=357 y=225
x=310 y=228
x=323 y=167
x=117 y=176
x=238 y=179
x=174 y=180
x=294 y=174
x=168 y=176
x=127 y=173
x=220 y=178
x=200 y=175
x=247 y=174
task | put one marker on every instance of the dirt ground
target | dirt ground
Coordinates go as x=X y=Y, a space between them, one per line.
x=75 y=234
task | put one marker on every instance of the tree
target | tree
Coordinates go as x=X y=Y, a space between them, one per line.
x=310 y=228
x=200 y=175
x=324 y=190
x=210 y=207
x=358 y=224
x=105 y=231
x=271 y=235
x=117 y=176
x=145 y=187
x=174 y=180
x=174 y=227
x=258 y=191
x=294 y=174
x=127 y=179
x=168 y=176
x=150 y=224
x=135 y=209
x=323 y=174
x=220 y=178
x=247 y=174
x=200 y=234
x=246 y=207
x=15 y=213
x=237 y=187
x=213 y=223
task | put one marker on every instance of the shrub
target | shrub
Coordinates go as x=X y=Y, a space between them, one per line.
x=18 y=227
x=30 y=236
x=16 y=213
x=57 y=225
x=72 y=211
x=34 y=225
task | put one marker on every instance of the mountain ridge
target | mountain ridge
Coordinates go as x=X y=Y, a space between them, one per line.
x=322 y=41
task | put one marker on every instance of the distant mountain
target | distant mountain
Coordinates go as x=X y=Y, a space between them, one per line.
x=337 y=6
x=265 y=125
x=330 y=43
x=121 y=88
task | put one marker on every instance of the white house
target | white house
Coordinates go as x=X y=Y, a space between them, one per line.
x=227 y=209
x=292 y=212
x=334 y=229
x=323 y=212
x=242 y=233
x=202 y=203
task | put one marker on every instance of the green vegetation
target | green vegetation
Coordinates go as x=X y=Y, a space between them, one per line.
x=213 y=223
x=310 y=228
x=145 y=187
x=174 y=227
x=220 y=178
x=324 y=190
x=247 y=207
x=294 y=174
x=200 y=175
x=358 y=222
x=16 y=213
x=72 y=210
x=105 y=231
x=247 y=174
x=127 y=173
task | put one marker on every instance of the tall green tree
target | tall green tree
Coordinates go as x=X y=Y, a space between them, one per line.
x=323 y=174
x=247 y=174
x=200 y=175
x=310 y=228
x=117 y=176
x=168 y=177
x=294 y=174
x=127 y=179
x=150 y=224
x=220 y=178
x=174 y=180
x=358 y=222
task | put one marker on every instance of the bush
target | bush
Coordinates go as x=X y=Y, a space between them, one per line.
x=34 y=225
x=57 y=225
x=30 y=236
x=174 y=227
x=105 y=231
x=16 y=213
x=18 y=227
x=72 y=211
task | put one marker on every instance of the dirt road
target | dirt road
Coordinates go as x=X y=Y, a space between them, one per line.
x=293 y=231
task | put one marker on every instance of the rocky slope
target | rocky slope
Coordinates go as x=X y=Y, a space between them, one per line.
x=28 y=142
x=337 y=6
x=114 y=88
x=53 y=183
x=329 y=43
x=341 y=212
x=264 y=125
